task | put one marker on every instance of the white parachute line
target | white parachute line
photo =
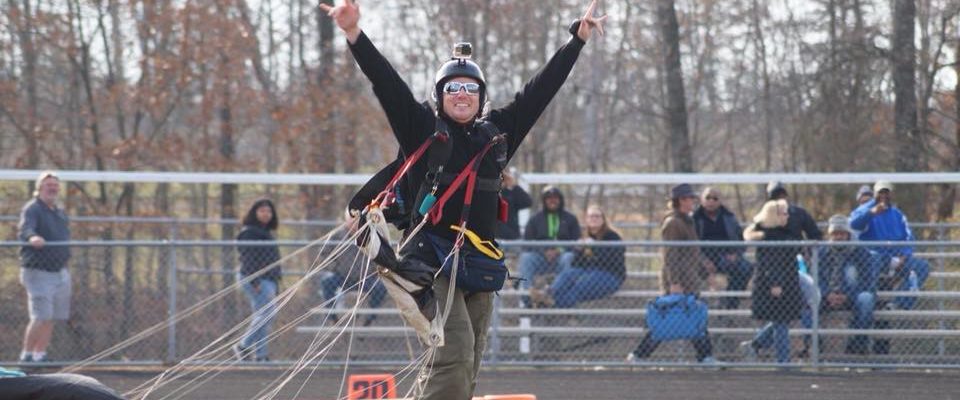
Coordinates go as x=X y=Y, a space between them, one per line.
x=285 y=297
x=189 y=310
x=337 y=252
x=361 y=297
x=186 y=367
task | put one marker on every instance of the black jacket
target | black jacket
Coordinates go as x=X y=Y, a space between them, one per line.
x=603 y=258
x=777 y=266
x=413 y=122
x=36 y=219
x=254 y=258
x=517 y=199
x=800 y=222
x=731 y=227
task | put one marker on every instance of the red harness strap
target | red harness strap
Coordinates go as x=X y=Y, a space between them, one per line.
x=386 y=197
x=469 y=173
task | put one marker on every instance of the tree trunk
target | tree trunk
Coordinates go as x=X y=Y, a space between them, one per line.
x=908 y=139
x=681 y=156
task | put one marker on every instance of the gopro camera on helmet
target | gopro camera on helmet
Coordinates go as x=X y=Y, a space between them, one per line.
x=463 y=50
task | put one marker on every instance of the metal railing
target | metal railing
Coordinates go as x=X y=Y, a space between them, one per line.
x=122 y=287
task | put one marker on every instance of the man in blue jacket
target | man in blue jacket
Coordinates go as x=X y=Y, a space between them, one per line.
x=880 y=220
x=848 y=281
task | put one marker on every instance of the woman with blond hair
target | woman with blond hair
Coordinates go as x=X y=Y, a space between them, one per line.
x=776 y=295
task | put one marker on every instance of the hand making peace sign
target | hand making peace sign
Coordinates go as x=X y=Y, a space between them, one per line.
x=588 y=22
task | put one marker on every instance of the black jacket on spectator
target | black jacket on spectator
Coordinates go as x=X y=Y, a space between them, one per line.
x=256 y=257
x=800 y=222
x=777 y=266
x=731 y=231
x=52 y=224
x=569 y=228
x=604 y=258
x=517 y=199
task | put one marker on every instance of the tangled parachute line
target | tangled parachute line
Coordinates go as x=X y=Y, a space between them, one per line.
x=206 y=364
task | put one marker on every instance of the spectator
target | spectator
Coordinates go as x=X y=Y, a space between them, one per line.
x=516 y=199
x=800 y=222
x=776 y=292
x=848 y=281
x=552 y=223
x=43 y=270
x=683 y=267
x=715 y=223
x=864 y=194
x=258 y=223
x=880 y=220
x=597 y=271
x=345 y=275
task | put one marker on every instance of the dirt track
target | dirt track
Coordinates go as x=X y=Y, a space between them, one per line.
x=612 y=384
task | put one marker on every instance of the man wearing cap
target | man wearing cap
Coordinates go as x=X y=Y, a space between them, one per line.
x=848 y=281
x=799 y=223
x=880 y=220
x=465 y=137
x=714 y=222
x=684 y=267
x=44 y=266
x=552 y=223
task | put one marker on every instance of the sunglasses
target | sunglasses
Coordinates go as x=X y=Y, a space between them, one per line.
x=454 y=87
x=714 y=198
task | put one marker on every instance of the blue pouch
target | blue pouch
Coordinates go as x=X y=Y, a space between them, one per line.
x=677 y=316
x=476 y=271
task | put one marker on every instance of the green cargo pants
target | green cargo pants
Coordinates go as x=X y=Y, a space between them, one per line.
x=457 y=363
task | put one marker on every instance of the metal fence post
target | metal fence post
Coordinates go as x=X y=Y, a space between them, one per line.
x=815 y=311
x=941 y=344
x=172 y=305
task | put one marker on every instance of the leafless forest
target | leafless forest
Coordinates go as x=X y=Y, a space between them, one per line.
x=682 y=86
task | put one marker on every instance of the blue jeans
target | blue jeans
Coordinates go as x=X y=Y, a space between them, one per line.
x=922 y=268
x=862 y=307
x=574 y=285
x=776 y=334
x=335 y=280
x=263 y=315
x=533 y=263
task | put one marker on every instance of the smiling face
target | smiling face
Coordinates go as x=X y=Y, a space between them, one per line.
x=461 y=107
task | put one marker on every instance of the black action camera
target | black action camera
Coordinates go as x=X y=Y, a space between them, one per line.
x=463 y=50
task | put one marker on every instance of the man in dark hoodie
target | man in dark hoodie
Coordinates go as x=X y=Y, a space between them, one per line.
x=550 y=224
x=799 y=222
x=715 y=223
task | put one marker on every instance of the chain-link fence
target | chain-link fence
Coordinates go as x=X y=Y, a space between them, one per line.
x=846 y=303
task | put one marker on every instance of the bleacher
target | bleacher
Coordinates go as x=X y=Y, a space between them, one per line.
x=605 y=330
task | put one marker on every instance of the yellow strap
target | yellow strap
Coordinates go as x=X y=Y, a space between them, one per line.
x=484 y=246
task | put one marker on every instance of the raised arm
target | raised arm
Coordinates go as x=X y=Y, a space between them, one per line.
x=518 y=117
x=408 y=118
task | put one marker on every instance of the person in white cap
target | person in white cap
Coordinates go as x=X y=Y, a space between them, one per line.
x=880 y=220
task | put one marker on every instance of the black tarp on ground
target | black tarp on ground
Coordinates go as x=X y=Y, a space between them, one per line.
x=55 y=387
